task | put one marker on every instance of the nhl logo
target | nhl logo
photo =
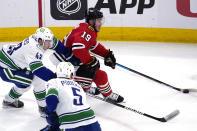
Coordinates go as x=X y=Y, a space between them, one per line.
x=68 y=9
x=68 y=6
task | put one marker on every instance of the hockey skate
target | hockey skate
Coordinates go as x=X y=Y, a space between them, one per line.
x=16 y=104
x=93 y=91
x=42 y=111
x=114 y=98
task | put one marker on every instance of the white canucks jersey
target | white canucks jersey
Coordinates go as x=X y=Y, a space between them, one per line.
x=27 y=54
x=72 y=109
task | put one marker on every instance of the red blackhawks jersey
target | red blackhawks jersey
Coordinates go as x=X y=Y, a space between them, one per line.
x=81 y=40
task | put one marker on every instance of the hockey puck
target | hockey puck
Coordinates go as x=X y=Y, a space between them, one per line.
x=185 y=91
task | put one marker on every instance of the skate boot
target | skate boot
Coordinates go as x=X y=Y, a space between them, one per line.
x=42 y=111
x=115 y=98
x=16 y=104
x=93 y=91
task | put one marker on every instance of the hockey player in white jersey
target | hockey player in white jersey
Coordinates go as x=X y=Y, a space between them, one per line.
x=67 y=108
x=21 y=64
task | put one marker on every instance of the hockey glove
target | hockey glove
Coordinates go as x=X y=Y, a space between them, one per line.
x=94 y=65
x=110 y=60
x=47 y=128
x=88 y=70
x=52 y=120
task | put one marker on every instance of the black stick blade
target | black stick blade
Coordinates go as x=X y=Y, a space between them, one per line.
x=171 y=115
x=185 y=90
x=189 y=90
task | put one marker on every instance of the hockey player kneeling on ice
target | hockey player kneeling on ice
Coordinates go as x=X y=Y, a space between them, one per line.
x=21 y=64
x=81 y=41
x=67 y=109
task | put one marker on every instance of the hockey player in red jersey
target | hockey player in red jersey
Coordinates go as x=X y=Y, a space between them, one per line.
x=81 y=41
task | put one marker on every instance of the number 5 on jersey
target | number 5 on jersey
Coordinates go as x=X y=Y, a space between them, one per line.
x=86 y=36
x=78 y=98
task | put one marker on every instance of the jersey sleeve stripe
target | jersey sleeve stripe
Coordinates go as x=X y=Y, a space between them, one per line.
x=52 y=92
x=10 y=59
x=94 y=47
x=66 y=38
x=13 y=94
x=35 y=65
x=6 y=60
x=78 y=46
x=40 y=95
x=6 y=64
x=19 y=79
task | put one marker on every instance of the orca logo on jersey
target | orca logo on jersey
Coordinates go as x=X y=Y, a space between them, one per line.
x=68 y=9
x=38 y=56
x=69 y=6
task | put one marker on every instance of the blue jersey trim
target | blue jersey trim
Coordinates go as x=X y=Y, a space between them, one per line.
x=44 y=73
x=60 y=48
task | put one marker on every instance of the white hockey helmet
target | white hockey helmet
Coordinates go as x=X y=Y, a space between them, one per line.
x=44 y=34
x=64 y=69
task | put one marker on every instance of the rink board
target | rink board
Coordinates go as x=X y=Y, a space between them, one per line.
x=110 y=34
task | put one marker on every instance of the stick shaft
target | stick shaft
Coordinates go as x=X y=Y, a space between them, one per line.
x=151 y=78
x=128 y=108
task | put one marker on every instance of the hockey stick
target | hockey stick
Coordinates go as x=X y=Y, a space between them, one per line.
x=151 y=78
x=163 y=119
x=178 y=89
x=60 y=58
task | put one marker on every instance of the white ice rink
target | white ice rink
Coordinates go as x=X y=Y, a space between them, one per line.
x=175 y=64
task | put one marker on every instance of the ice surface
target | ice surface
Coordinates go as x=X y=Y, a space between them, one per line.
x=175 y=64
